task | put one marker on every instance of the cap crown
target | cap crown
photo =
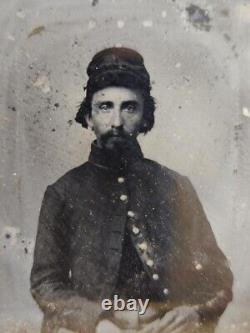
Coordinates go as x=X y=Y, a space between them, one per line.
x=118 y=66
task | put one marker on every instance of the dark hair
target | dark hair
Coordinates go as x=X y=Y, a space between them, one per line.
x=84 y=110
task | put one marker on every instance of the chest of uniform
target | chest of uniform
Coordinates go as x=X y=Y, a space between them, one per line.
x=107 y=202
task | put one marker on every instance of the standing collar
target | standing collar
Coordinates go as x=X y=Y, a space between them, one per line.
x=104 y=159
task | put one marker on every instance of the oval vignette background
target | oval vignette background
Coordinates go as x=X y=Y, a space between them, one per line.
x=197 y=53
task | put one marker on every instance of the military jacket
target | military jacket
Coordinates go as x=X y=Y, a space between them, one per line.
x=80 y=238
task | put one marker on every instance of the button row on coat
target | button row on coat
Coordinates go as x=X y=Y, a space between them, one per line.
x=123 y=197
x=156 y=278
x=149 y=262
x=135 y=229
x=142 y=246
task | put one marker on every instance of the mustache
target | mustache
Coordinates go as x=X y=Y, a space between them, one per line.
x=118 y=140
x=115 y=132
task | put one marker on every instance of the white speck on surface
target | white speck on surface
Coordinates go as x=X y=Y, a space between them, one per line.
x=210 y=303
x=197 y=265
x=233 y=326
x=118 y=45
x=20 y=14
x=42 y=82
x=163 y=14
x=120 y=24
x=11 y=37
x=91 y=24
x=178 y=65
x=245 y=324
x=147 y=23
x=246 y=112
x=14 y=174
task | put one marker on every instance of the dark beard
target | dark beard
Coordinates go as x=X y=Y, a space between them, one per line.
x=118 y=145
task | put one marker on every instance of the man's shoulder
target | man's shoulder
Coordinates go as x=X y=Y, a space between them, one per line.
x=163 y=171
x=71 y=179
x=164 y=176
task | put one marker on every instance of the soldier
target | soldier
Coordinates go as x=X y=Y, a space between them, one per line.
x=123 y=225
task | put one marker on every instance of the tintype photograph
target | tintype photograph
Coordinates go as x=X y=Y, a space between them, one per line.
x=125 y=166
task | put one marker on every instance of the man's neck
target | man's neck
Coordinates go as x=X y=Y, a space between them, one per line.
x=120 y=158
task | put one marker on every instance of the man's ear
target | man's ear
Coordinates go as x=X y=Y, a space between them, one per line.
x=89 y=121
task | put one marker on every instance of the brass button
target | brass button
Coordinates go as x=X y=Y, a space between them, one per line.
x=130 y=213
x=143 y=246
x=165 y=291
x=155 y=277
x=123 y=197
x=135 y=230
x=150 y=262
x=120 y=180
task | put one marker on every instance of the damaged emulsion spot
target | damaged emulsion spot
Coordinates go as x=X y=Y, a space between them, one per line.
x=237 y=132
x=36 y=31
x=42 y=82
x=225 y=12
x=198 y=17
x=10 y=234
x=10 y=238
x=246 y=112
x=12 y=108
x=94 y=2
x=227 y=37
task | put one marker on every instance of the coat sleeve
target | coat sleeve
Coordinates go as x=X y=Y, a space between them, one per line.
x=50 y=279
x=215 y=278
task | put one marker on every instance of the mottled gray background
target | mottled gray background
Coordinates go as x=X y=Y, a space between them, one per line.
x=197 y=52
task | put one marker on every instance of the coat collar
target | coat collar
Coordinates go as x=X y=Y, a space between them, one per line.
x=106 y=159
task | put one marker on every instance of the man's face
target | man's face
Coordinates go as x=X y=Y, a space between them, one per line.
x=117 y=114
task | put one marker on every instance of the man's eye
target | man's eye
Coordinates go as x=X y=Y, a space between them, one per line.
x=130 y=108
x=104 y=107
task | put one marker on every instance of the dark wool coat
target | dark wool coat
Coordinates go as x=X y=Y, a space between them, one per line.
x=80 y=238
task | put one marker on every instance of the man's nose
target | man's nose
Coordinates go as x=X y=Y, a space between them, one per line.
x=117 y=119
